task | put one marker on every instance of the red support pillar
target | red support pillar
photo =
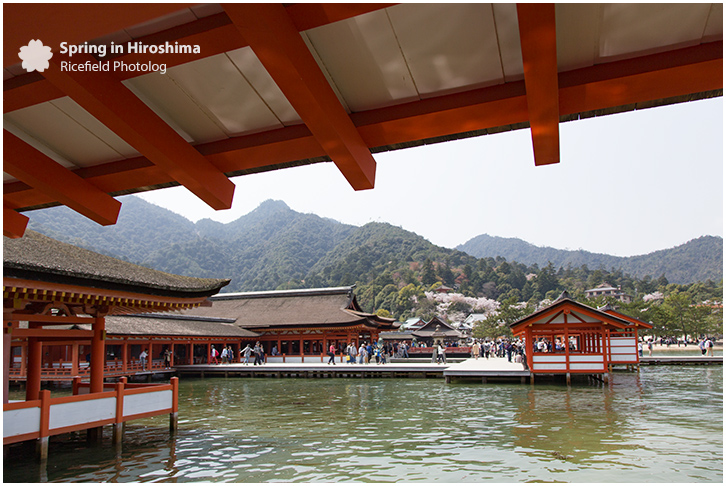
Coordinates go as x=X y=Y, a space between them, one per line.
x=35 y=365
x=74 y=359
x=42 y=444
x=125 y=356
x=174 y=415
x=118 y=426
x=7 y=358
x=98 y=354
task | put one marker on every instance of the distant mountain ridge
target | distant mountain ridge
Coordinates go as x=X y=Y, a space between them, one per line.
x=274 y=246
x=697 y=260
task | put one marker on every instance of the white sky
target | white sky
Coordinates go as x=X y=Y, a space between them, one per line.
x=627 y=184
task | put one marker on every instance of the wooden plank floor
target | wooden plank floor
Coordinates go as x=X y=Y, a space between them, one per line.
x=495 y=367
x=681 y=360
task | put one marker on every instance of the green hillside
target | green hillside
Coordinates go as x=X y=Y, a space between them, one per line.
x=274 y=247
x=697 y=260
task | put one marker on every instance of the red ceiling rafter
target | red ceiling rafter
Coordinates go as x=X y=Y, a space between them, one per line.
x=73 y=23
x=677 y=73
x=214 y=35
x=114 y=105
x=14 y=223
x=46 y=175
x=281 y=50
x=537 y=36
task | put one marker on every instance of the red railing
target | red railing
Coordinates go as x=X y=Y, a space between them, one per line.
x=37 y=419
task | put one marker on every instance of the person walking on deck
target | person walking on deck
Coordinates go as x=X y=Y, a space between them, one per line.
x=258 y=352
x=331 y=353
x=362 y=354
x=246 y=352
x=442 y=354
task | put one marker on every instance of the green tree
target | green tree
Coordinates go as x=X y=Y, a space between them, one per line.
x=428 y=276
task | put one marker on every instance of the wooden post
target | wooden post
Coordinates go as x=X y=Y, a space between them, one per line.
x=35 y=366
x=75 y=359
x=118 y=426
x=76 y=385
x=98 y=354
x=7 y=358
x=174 y=415
x=42 y=444
x=125 y=356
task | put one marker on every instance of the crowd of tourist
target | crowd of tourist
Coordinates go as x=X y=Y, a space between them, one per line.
x=513 y=350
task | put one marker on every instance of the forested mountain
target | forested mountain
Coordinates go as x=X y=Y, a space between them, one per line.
x=698 y=260
x=262 y=250
x=274 y=247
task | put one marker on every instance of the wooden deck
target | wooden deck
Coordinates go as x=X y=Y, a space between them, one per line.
x=482 y=369
x=681 y=360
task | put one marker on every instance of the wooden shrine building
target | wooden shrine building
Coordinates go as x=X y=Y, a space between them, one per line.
x=58 y=294
x=188 y=339
x=298 y=323
x=569 y=337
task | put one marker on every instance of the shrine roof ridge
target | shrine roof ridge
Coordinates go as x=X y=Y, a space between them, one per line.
x=283 y=293
x=41 y=258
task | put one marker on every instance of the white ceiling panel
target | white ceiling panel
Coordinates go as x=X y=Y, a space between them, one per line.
x=217 y=86
x=578 y=30
x=251 y=68
x=714 y=25
x=70 y=132
x=636 y=28
x=364 y=61
x=175 y=107
x=90 y=123
x=510 y=49
x=448 y=46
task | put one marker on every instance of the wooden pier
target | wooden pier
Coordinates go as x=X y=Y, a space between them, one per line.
x=681 y=360
x=482 y=369
x=315 y=370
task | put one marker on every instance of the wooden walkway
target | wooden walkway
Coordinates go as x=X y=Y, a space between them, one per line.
x=681 y=360
x=482 y=369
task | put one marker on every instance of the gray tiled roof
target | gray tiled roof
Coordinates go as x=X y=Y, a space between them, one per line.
x=38 y=257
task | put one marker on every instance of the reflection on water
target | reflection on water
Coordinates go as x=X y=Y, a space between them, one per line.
x=662 y=425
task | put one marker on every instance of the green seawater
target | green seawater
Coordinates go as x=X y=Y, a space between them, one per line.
x=663 y=424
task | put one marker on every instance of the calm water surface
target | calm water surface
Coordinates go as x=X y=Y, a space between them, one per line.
x=664 y=424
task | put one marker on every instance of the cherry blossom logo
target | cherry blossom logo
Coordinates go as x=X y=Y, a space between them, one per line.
x=35 y=56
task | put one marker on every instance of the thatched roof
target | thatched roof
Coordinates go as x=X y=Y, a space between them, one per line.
x=40 y=258
x=329 y=307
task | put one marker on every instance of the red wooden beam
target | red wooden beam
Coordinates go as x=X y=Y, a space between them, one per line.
x=537 y=35
x=74 y=23
x=53 y=333
x=214 y=35
x=278 y=45
x=114 y=105
x=14 y=223
x=41 y=172
x=676 y=73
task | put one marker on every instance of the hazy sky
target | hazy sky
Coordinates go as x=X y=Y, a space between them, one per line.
x=627 y=184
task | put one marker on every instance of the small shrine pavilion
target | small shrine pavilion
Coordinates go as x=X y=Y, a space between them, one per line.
x=569 y=337
x=56 y=293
